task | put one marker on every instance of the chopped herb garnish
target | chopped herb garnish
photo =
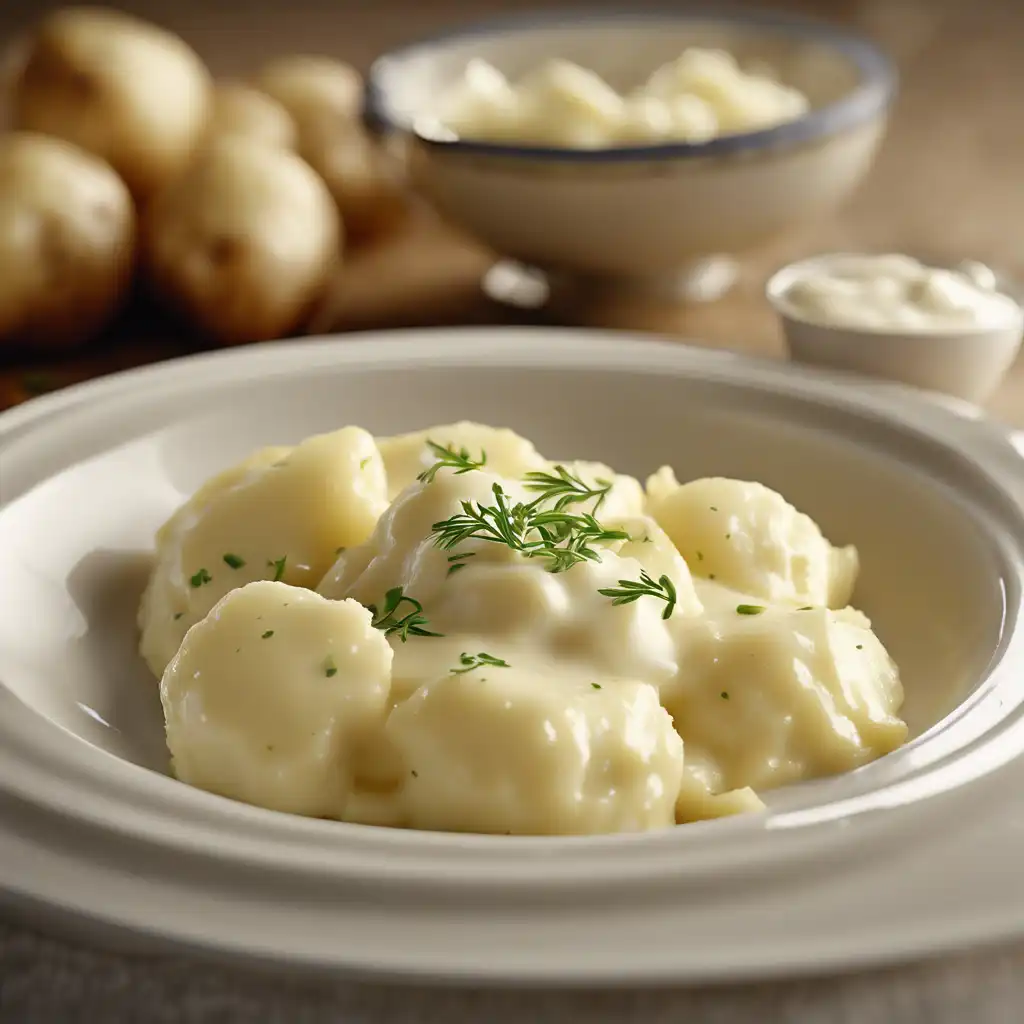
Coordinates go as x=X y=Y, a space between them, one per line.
x=278 y=565
x=201 y=578
x=330 y=667
x=711 y=575
x=566 y=488
x=728 y=536
x=363 y=463
x=629 y=591
x=713 y=508
x=700 y=556
x=596 y=686
x=561 y=538
x=458 y=561
x=270 y=746
x=725 y=695
x=860 y=647
x=388 y=620
x=233 y=561
x=806 y=608
x=447 y=456
x=415 y=774
x=339 y=551
x=749 y=609
x=468 y=662
x=267 y=635
x=178 y=615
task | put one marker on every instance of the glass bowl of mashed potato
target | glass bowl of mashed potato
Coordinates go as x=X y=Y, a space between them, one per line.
x=627 y=149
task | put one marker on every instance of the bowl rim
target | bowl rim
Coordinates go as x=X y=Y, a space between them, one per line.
x=868 y=100
x=790 y=273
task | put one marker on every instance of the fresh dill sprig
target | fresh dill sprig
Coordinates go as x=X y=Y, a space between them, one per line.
x=468 y=662
x=629 y=591
x=565 y=488
x=561 y=538
x=448 y=457
x=387 y=619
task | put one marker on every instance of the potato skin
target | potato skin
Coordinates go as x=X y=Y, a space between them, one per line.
x=311 y=88
x=240 y=109
x=128 y=91
x=243 y=244
x=369 y=194
x=67 y=242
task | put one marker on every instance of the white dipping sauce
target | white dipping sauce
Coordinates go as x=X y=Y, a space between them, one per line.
x=701 y=95
x=897 y=292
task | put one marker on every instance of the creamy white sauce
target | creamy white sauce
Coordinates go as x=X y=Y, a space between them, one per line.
x=898 y=292
x=702 y=94
x=543 y=706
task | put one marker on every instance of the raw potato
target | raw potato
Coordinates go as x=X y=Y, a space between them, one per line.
x=128 y=91
x=243 y=244
x=239 y=109
x=67 y=235
x=370 y=198
x=311 y=88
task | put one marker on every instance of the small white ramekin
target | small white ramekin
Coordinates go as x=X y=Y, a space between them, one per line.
x=968 y=362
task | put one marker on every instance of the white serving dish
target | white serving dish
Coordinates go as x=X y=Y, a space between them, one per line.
x=640 y=216
x=965 y=362
x=841 y=872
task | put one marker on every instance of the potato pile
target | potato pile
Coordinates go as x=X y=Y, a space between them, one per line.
x=232 y=200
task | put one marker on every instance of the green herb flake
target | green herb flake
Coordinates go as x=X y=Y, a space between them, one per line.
x=806 y=608
x=233 y=561
x=561 y=538
x=596 y=686
x=565 y=488
x=178 y=615
x=330 y=667
x=468 y=662
x=725 y=695
x=700 y=556
x=415 y=774
x=200 y=579
x=278 y=565
x=449 y=457
x=339 y=551
x=363 y=463
x=711 y=575
x=728 y=536
x=713 y=508
x=860 y=647
x=629 y=591
x=267 y=635
x=749 y=609
x=413 y=623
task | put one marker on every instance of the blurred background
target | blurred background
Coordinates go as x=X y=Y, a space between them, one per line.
x=948 y=182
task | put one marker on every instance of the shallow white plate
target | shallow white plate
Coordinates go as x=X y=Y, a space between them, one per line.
x=914 y=854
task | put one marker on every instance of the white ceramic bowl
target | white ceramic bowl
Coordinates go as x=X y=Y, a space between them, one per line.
x=965 y=362
x=635 y=213
x=838 y=872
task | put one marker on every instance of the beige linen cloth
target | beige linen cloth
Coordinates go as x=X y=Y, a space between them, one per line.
x=45 y=981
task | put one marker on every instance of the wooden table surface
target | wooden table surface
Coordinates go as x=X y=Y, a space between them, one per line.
x=949 y=182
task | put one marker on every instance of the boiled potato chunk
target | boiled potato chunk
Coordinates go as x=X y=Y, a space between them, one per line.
x=748 y=537
x=239 y=109
x=509 y=751
x=126 y=90
x=784 y=695
x=279 y=516
x=243 y=244
x=504 y=451
x=271 y=696
x=67 y=235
